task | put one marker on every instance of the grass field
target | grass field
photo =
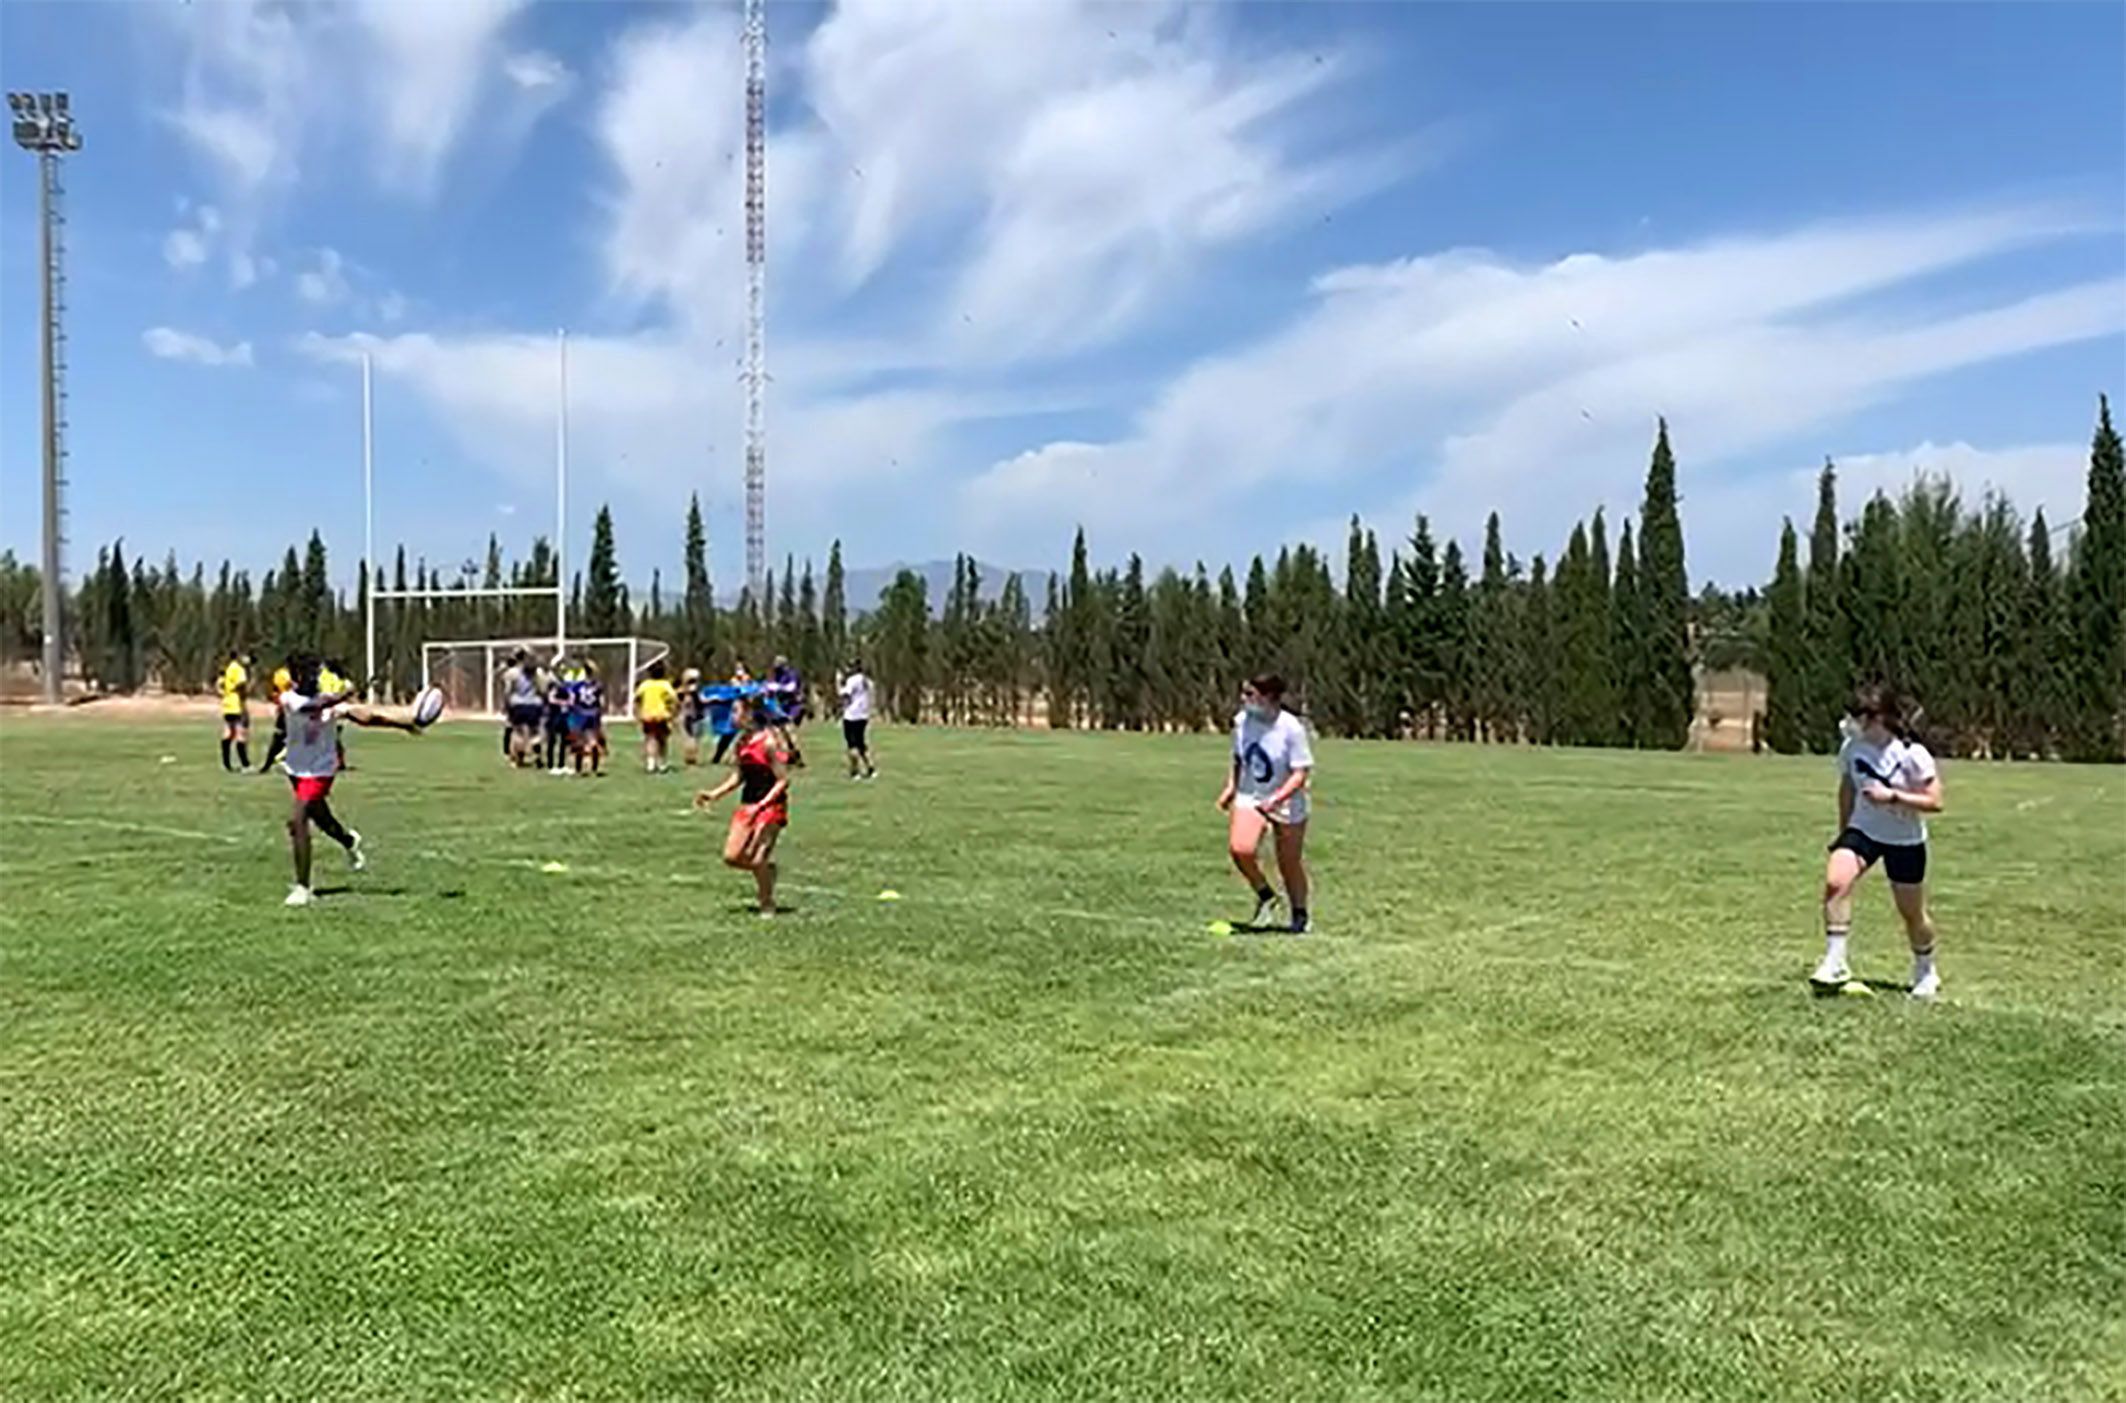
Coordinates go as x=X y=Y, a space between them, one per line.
x=1542 y=1112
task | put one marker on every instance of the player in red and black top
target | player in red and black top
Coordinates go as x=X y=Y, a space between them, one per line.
x=762 y=777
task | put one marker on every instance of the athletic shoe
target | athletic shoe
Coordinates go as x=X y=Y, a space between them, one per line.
x=1928 y=988
x=297 y=896
x=1831 y=974
x=355 y=861
x=1300 y=924
x=1265 y=911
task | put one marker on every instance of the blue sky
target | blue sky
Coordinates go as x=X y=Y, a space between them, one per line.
x=1205 y=278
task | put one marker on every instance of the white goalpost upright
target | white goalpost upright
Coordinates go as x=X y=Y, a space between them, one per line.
x=639 y=652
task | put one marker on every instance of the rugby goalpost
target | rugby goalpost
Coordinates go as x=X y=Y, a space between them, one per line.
x=639 y=652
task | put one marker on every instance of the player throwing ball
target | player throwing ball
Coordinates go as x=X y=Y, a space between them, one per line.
x=762 y=777
x=314 y=714
x=1887 y=784
x=1266 y=792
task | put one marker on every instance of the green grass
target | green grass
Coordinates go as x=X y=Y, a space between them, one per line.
x=1543 y=1112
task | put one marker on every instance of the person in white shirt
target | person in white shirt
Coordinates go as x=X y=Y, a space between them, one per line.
x=1887 y=784
x=313 y=759
x=1266 y=792
x=855 y=689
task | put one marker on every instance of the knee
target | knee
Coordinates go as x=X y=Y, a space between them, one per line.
x=737 y=862
x=1836 y=889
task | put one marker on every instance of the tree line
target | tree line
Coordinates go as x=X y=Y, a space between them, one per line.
x=2010 y=636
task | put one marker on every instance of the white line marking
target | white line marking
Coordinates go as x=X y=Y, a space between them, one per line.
x=118 y=826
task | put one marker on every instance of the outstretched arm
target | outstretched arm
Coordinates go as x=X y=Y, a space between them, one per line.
x=379 y=719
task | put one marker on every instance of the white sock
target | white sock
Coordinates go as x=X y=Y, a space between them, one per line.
x=1834 y=946
x=1922 y=964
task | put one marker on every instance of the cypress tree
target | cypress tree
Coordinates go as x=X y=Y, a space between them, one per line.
x=1261 y=628
x=2097 y=601
x=601 y=592
x=1538 y=657
x=2044 y=643
x=1495 y=663
x=1457 y=643
x=1423 y=645
x=1053 y=670
x=834 y=611
x=1232 y=661
x=697 y=601
x=1873 y=590
x=1598 y=606
x=1788 y=674
x=1825 y=630
x=1627 y=644
x=1355 y=697
x=1665 y=590
x=1132 y=640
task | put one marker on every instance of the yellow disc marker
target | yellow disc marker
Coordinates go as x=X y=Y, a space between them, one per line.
x=889 y=894
x=553 y=867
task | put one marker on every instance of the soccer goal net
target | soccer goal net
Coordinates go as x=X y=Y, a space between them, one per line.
x=470 y=670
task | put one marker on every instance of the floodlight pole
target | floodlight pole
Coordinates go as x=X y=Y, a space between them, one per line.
x=368 y=541
x=44 y=124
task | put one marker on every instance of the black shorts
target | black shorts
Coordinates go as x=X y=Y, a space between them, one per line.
x=855 y=734
x=556 y=721
x=1903 y=863
x=526 y=716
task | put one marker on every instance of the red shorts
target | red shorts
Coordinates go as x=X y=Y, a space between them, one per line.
x=775 y=815
x=311 y=788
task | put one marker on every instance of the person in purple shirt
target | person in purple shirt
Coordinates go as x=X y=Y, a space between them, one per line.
x=789 y=689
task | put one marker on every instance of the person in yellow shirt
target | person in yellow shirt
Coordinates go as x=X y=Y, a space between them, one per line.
x=235 y=718
x=656 y=703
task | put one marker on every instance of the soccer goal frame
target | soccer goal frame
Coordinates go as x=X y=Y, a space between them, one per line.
x=494 y=655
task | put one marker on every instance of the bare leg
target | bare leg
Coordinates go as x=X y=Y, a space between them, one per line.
x=299 y=841
x=1243 y=840
x=765 y=870
x=1292 y=865
x=321 y=814
x=1840 y=872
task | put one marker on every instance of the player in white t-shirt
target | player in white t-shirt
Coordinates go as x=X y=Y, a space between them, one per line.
x=1266 y=791
x=313 y=759
x=1887 y=784
x=855 y=689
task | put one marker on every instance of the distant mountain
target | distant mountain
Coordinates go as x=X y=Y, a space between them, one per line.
x=865 y=586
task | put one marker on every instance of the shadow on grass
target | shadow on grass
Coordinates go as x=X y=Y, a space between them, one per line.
x=447 y=894
x=1879 y=987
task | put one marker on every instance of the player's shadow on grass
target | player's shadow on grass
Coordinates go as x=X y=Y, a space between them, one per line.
x=1879 y=987
x=448 y=894
x=747 y=908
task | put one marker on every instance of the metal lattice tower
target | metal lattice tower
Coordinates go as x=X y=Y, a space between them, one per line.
x=44 y=124
x=756 y=365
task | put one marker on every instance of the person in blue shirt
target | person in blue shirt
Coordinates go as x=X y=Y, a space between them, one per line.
x=586 y=721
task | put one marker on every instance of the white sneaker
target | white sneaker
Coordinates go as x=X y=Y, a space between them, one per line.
x=297 y=896
x=355 y=861
x=1927 y=987
x=1831 y=974
x=1265 y=911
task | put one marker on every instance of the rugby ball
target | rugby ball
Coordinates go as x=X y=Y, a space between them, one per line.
x=428 y=706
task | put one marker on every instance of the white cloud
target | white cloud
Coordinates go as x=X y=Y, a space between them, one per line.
x=326 y=284
x=1102 y=152
x=649 y=417
x=184 y=248
x=428 y=62
x=1535 y=390
x=270 y=93
x=167 y=343
x=534 y=69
